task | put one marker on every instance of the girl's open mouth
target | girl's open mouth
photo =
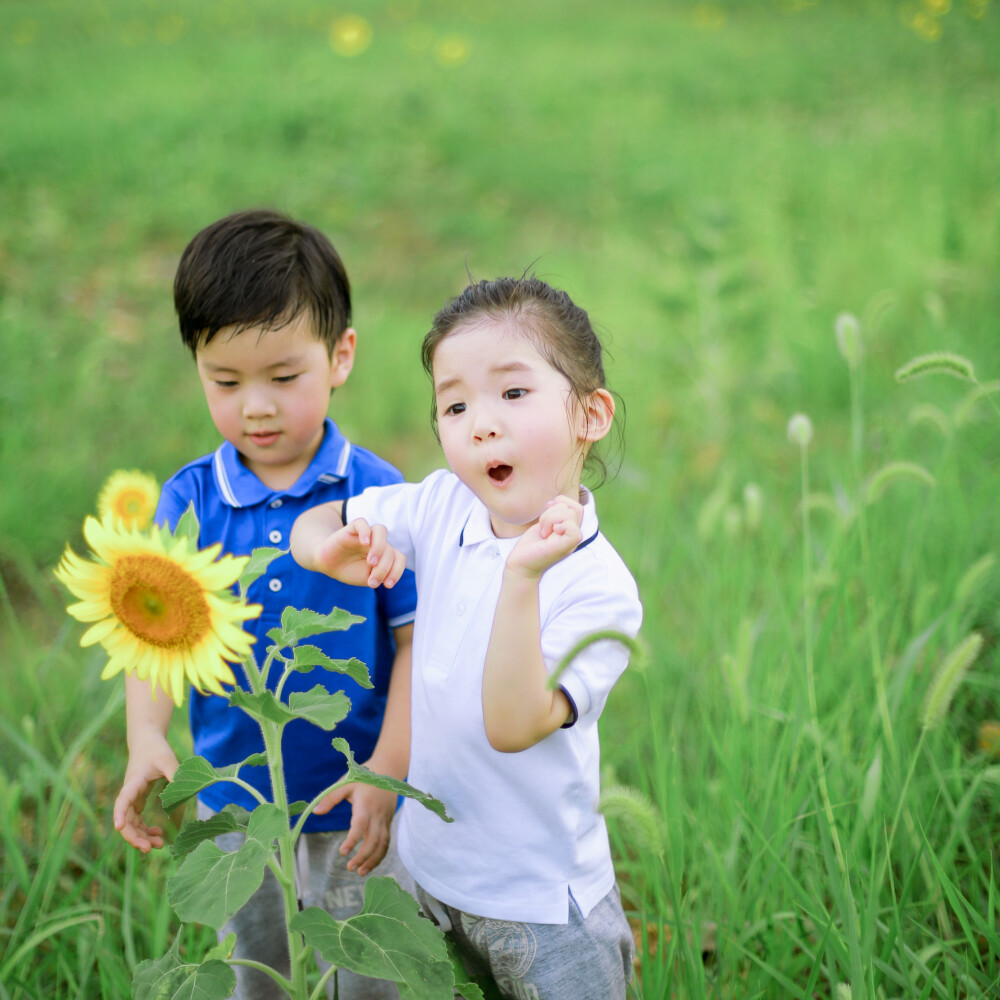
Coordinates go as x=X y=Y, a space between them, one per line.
x=500 y=473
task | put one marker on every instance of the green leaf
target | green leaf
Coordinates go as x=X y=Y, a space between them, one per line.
x=187 y=525
x=308 y=657
x=296 y=624
x=192 y=775
x=260 y=559
x=168 y=978
x=358 y=772
x=464 y=986
x=320 y=707
x=224 y=949
x=212 y=884
x=262 y=707
x=388 y=939
x=193 y=833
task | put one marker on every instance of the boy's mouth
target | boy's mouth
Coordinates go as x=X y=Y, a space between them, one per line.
x=499 y=473
x=263 y=437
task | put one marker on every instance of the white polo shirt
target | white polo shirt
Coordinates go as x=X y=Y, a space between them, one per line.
x=526 y=831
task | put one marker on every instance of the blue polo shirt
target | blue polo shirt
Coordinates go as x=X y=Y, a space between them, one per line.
x=235 y=508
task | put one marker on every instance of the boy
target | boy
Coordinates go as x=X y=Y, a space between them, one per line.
x=264 y=306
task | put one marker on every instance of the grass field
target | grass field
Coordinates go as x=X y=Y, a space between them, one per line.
x=715 y=183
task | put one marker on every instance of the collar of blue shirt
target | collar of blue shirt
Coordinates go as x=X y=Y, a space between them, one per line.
x=239 y=487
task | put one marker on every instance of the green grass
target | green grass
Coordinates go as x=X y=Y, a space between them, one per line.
x=715 y=183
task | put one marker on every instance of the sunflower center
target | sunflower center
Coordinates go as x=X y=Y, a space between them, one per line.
x=130 y=503
x=158 y=602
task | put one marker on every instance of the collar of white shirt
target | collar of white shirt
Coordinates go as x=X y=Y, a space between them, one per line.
x=477 y=527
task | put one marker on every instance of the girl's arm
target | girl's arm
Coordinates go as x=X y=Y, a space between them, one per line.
x=518 y=710
x=356 y=553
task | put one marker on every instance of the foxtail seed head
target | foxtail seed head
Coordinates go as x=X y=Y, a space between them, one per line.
x=947 y=679
x=800 y=430
x=848 y=333
x=937 y=363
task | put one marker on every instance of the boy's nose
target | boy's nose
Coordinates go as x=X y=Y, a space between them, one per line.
x=258 y=404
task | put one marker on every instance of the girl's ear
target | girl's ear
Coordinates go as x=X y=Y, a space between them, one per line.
x=596 y=415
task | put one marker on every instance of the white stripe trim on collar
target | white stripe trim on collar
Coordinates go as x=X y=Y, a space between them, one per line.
x=345 y=454
x=225 y=487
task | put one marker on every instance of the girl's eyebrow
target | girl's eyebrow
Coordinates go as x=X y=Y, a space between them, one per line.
x=505 y=368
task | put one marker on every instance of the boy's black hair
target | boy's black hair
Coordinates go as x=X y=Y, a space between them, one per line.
x=260 y=268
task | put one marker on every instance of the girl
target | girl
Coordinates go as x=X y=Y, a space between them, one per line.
x=511 y=572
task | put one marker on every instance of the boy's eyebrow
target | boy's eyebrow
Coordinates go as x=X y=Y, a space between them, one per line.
x=291 y=360
x=506 y=367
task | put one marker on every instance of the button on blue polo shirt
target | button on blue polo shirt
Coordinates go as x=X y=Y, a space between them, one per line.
x=235 y=508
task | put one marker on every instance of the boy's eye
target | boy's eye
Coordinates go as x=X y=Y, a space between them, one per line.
x=286 y=378
x=225 y=384
x=454 y=409
x=515 y=393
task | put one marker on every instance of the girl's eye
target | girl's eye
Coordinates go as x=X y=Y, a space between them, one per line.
x=454 y=409
x=515 y=393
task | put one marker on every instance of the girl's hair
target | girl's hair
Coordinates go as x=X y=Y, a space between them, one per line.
x=558 y=328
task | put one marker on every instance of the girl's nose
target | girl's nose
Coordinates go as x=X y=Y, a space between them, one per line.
x=484 y=427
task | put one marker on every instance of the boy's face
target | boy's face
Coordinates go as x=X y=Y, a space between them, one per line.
x=268 y=393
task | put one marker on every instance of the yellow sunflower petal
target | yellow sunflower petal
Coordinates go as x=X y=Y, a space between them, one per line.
x=98 y=632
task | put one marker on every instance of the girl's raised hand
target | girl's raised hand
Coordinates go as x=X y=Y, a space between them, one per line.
x=359 y=554
x=555 y=535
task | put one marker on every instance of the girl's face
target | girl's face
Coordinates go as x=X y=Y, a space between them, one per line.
x=509 y=425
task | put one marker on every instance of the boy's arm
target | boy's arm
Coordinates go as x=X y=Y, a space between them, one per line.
x=356 y=553
x=372 y=808
x=518 y=709
x=150 y=759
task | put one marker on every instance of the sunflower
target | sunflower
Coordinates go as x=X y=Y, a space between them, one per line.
x=129 y=496
x=162 y=610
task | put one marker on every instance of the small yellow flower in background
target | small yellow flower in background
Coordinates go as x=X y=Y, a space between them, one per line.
x=162 y=610
x=129 y=497
x=452 y=51
x=708 y=17
x=350 y=35
x=937 y=7
x=926 y=27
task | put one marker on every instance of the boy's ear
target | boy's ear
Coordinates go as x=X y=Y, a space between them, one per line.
x=342 y=358
x=596 y=415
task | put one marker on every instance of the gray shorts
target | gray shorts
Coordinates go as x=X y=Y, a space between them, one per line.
x=323 y=881
x=584 y=959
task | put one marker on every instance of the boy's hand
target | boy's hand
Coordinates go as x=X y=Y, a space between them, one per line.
x=556 y=534
x=151 y=760
x=372 y=810
x=359 y=554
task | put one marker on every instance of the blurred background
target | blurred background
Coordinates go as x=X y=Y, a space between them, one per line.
x=716 y=183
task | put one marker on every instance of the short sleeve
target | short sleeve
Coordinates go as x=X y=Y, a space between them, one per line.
x=402 y=508
x=595 y=602
x=171 y=505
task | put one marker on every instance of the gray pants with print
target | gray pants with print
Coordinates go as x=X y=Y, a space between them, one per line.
x=324 y=881
x=584 y=959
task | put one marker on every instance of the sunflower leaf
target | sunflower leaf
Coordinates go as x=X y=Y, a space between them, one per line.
x=169 y=978
x=212 y=884
x=260 y=559
x=388 y=939
x=263 y=706
x=297 y=624
x=193 y=833
x=358 y=772
x=187 y=525
x=320 y=707
x=192 y=775
x=308 y=657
